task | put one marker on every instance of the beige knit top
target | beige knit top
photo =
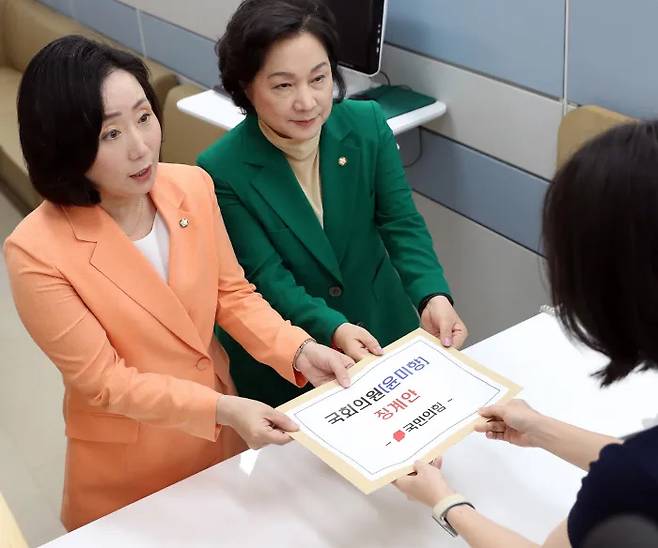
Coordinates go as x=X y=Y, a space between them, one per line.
x=304 y=160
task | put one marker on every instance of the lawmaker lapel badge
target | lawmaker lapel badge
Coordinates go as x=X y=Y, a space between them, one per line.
x=184 y=222
x=342 y=161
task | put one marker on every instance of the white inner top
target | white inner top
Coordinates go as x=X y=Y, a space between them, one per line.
x=155 y=247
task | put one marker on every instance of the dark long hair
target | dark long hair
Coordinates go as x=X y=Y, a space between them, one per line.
x=601 y=244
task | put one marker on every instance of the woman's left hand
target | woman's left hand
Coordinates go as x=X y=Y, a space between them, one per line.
x=440 y=319
x=321 y=364
x=427 y=486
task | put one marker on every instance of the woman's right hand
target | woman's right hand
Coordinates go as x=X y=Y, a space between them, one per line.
x=514 y=422
x=355 y=341
x=257 y=423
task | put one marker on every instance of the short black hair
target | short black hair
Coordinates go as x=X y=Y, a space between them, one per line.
x=60 y=114
x=601 y=244
x=256 y=26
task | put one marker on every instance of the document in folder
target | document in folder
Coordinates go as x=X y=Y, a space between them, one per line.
x=412 y=403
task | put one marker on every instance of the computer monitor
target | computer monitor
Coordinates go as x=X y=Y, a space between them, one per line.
x=360 y=25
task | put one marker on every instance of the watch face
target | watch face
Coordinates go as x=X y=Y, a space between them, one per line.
x=445 y=525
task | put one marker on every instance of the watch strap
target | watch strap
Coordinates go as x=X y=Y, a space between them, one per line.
x=441 y=509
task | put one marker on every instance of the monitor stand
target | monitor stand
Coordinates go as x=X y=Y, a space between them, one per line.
x=356 y=82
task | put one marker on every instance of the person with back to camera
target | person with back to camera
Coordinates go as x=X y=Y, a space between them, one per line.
x=120 y=275
x=601 y=245
x=315 y=197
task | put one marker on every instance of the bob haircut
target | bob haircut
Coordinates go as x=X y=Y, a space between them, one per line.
x=256 y=26
x=60 y=114
x=601 y=243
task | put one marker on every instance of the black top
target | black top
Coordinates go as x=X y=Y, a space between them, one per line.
x=623 y=481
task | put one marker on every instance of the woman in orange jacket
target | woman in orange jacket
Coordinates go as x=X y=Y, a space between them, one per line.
x=120 y=275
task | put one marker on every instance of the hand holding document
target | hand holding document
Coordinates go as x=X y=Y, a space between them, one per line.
x=412 y=403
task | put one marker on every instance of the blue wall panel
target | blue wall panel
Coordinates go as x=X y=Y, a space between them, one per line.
x=520 y=41
x=111 y=18
x=494 y=194
x=612 y=55
x=62 y=6
x=182 y=50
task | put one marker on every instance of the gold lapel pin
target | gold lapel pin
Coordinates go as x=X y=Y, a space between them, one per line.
x=184 y=222
x=342 y=161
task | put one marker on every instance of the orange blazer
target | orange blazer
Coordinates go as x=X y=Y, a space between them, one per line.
x=141 y=367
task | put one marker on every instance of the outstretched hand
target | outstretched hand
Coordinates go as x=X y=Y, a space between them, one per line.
x=441 y=320
x=321 y=364
x=514 y=422
x=256 y=423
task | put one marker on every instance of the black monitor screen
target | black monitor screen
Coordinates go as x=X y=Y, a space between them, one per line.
x=360 y=25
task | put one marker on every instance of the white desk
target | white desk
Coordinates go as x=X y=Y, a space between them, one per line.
x=219 y=110
x=285 y=497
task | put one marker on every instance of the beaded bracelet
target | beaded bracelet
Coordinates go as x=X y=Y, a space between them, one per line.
x=299 y=352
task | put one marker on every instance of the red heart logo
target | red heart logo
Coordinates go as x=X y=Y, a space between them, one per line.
x=399 y=435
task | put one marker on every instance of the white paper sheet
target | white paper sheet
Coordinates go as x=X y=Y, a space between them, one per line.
x=398 y=407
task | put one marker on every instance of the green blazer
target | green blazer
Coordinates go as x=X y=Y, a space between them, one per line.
x=371 y=265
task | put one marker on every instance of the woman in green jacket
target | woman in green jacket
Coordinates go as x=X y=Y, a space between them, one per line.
x=315 y=198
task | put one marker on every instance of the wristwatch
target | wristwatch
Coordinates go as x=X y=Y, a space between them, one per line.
x=443 y=506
